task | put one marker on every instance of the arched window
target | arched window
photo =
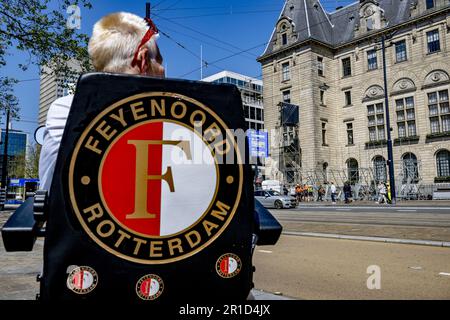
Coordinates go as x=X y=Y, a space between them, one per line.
x=353 y=170
x=410 y=168
x=325 y=171
x=443 y=163
x=379 y=165
x=284 y=32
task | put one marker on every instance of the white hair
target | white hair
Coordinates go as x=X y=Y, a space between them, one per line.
x=115 y=39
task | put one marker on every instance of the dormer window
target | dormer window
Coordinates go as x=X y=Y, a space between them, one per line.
x=284 y=39
x=285 y=33
x=371 y=17
x=430 y=4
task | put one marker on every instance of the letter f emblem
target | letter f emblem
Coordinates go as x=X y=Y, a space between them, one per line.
x=142 y=176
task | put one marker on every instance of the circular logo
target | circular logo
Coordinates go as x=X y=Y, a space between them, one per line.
x=82 y=280
x=163 y=174
x=149 y=287
x=228 y=265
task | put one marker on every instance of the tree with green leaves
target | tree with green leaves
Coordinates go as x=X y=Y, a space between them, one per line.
x=16 y=166
x=42 y=29
x=32 y=161
x=8 y=101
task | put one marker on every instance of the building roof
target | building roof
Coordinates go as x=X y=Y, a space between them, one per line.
x=234 y=75
x=311 y=21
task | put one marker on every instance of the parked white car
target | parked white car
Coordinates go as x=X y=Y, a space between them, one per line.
x=274 y=199
x=272 y=185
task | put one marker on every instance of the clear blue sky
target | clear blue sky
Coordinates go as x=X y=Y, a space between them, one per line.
x=222 y=28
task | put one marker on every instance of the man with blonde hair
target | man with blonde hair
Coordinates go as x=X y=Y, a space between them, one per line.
x=125 y=43
x=120 y=43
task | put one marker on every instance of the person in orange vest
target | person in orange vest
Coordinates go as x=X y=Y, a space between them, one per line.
x=298 y=192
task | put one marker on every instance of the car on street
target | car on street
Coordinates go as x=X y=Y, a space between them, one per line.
x=274 y=199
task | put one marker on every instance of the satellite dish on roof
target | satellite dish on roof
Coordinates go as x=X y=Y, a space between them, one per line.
x=39 y=135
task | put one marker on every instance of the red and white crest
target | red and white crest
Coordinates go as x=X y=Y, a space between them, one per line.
x=82 y=280
x=158 y=191
x=175 y=203
x=149 y=287
x=228 y=265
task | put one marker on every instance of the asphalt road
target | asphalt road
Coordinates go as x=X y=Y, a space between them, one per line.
x=420 y=223
x=369 y=216
x=375 y=208
x=318 y=268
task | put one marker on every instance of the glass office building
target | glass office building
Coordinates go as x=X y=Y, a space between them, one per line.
x=17 y=147
x=252 y=101
x=251 y=91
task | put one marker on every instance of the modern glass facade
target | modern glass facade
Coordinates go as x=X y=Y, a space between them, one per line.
x=17 y=143
x=251 y=90
x=252 y=101
x=17 y=146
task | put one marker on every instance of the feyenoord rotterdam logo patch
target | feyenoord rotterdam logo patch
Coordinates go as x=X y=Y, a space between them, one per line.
x=228 y=265
x=149 y=287
x=148 y=181
x=82 y=280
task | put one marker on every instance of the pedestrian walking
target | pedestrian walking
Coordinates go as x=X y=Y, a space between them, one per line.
x=305 y=192
x=298 y=193
x=382 y=191
x=347 y=192
x=310 y=193
x=320 y=193
x=389 y=195
x=333 y=193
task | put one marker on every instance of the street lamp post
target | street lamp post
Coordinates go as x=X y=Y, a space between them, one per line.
x=388 y=124
x=5 y=152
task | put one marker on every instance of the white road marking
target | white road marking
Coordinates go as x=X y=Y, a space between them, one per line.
x=415 y=268
x=444 y=274
x=406 y=210
x=265 y=251
x=343 y=209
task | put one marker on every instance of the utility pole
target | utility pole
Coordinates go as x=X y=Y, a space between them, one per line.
x=388 y=124
x=147 y=10
x=5 y=152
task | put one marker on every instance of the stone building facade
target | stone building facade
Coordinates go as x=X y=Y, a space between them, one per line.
x=331 y=66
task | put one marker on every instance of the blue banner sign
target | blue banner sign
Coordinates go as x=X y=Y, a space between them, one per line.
x=21 y=182
x=258 y=142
